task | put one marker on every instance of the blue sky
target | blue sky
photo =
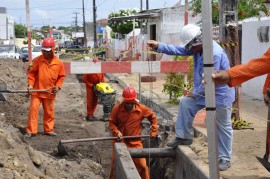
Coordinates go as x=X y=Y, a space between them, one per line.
x=62 y=12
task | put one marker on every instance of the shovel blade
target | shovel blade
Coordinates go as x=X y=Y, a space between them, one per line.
x=3 y=87
x=264 y=162
x=62 y=150
x=3 y=97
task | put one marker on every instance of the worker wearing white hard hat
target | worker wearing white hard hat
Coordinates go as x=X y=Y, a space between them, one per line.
x=191 y=45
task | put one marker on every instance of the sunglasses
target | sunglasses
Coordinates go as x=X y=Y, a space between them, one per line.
x=189 y=46
x=194 y=42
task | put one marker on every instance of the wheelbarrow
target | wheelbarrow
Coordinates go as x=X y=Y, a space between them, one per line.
x=62 y=149
x=264 y=161
x=4 y=90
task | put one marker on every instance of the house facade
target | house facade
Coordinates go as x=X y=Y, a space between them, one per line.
x=7 y=32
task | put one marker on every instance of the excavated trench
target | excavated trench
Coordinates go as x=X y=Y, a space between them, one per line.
x=160 y=168
x=70 y=109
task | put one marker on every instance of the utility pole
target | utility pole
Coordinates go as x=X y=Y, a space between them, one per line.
x=84 y=27
x=229 y=14
x=141 y=5
x=50 y=28
x=210 y=99
x=29 y=34
x=76 y=21
x=186 y=12
x=95 y=22
x=147 y=4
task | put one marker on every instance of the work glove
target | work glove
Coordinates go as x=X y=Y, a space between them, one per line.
x=119 y=136
x=266 y=97
x=29 y=88
x=153 y=134
x=55 y=89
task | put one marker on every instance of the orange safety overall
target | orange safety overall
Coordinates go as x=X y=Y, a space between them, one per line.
x=44 y=75
x=129 y=124
x=255 y=67
x=90 y=81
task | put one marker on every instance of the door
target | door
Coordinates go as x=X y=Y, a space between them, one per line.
x=153 y=36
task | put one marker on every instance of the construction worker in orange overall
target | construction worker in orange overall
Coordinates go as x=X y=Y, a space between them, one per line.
x=47 y=72
x=90 y=81
x=244 y=72
x=126 y=120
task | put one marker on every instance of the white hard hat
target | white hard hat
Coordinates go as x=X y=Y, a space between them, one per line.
x=188 y=33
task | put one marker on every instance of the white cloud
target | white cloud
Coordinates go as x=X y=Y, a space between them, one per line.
x=42 y=13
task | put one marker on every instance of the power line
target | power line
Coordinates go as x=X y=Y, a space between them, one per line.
x=55 y=4
x=20 y=9
x=76 y=21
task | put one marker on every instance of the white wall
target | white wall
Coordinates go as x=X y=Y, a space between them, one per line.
x=3 y=26
x=19 y=42
x=172 y=23
x=253 y=48
x=168 y=27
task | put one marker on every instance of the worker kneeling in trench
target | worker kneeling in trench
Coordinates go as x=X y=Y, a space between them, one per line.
x=126 y=120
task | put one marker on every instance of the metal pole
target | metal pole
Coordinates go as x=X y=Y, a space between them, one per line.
x=29 y=34
x=84 y=28
x=186 y=12
x=50 y=28
x=140 y=80
x=154 y=152
x=228 y=12
x=210 y=99
x=95 y=23
x=185 y=58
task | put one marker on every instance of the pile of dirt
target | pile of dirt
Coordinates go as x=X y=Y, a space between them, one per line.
x=37 y=157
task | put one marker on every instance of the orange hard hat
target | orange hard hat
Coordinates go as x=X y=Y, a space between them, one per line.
x=95 y=60
x=129 y=93
x=48 y=44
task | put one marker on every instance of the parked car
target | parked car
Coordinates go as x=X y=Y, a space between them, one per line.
x=61 y=45
x=24 y=54
x=76 y=49
x=23 y=48
x=9 y=51
x=68 y=44
x=36 y=51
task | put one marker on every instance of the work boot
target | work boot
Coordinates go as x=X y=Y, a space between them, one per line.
x=91 y=118
x=29 y=135
x=51 y=134
x=179 y=141
x=105 y=119
x=224 y=164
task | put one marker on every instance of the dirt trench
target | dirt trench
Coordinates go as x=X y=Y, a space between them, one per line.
x=84 y=160
x=88 y=159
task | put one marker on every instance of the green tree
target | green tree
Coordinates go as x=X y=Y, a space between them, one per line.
x=20 y=31
x=246 y=9
x=67 y=30
x=45 y=29
x=125 y=26
x=174 y=84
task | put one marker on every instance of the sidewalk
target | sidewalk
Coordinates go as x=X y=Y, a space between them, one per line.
x=247 y=144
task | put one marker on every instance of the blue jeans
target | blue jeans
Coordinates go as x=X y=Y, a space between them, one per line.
x=186 y=113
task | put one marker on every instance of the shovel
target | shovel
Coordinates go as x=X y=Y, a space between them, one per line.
x=62 y=150
x=3 y=89
x=264 y=160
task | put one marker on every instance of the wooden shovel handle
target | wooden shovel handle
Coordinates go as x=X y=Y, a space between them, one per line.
x=101 y=138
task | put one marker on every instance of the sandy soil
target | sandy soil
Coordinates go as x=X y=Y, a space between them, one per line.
x=69 y=121
x=94 y=157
